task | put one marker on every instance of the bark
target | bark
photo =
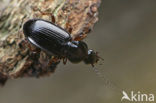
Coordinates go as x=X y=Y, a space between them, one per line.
x=16 y=58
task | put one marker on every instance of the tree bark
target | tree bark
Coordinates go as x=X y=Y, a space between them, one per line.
x=16 y=59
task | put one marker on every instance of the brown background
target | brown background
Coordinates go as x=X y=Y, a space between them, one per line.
x=125 y=37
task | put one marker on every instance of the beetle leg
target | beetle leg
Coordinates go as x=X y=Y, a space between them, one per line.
x=80 y=37
x=30 y=46
x=64 y=60
x=22 y=44
x=68 y=28
x=53 y=19
x=83 y=34
x=53 y=60
x=49 y=14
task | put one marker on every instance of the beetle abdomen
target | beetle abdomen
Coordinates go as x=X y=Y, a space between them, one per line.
x=46 y=35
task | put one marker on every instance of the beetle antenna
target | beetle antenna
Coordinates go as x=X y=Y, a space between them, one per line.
x=100 y=58
x=107 y=82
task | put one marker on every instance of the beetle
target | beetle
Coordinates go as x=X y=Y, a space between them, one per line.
x=57 y=42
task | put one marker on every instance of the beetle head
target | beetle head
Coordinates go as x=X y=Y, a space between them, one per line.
x=92 y=57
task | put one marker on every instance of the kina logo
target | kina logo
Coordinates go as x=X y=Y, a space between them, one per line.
x=137 y=96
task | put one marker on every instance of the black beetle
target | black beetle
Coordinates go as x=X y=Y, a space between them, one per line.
x=57 y=42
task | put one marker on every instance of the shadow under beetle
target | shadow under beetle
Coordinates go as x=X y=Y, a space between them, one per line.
x=58 y=42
